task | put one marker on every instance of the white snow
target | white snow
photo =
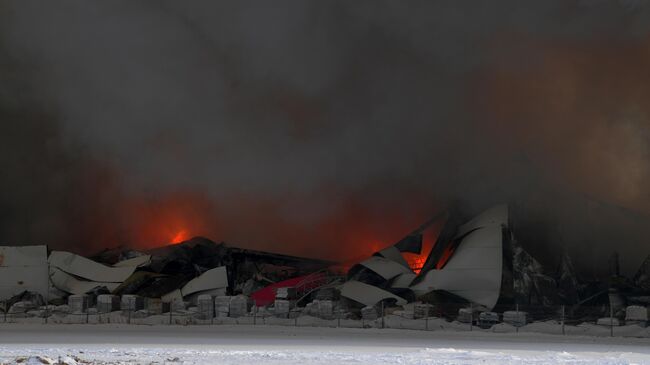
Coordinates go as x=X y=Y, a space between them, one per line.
x=245 y=344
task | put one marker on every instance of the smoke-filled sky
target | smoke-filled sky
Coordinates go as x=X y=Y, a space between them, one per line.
x=313 y=127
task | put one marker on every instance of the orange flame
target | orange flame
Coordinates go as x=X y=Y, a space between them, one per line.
x=415 y=261
x=446 y=255
x=169 y=219
x=180 y=237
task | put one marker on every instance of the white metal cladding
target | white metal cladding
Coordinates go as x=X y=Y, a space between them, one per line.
x=403 y=281
x=211 y=279
x=393 y=253
x=367 y=294
x=134 y=262
x=70 y=284
x=88 y=269
x=23 y=268
x=388 y=269
x=495 y=216
x=474 y=271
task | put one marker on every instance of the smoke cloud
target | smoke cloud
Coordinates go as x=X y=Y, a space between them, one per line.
x=320 y=127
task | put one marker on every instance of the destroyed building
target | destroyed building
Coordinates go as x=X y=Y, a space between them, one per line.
x=477 y=261
x=182 y=271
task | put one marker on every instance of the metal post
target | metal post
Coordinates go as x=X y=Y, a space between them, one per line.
x=47 y=291
x=383 y=323
x=517 y=308
x=338 y=321
x=611 y=321
x=426 y=323
x=563 y=320
x=471 y=317
x=171 y=311
x=87 y=315
x=255 y=314
x=295 y=320
x=129 y=319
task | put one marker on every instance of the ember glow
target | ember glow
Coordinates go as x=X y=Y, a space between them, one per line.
x=180 y=237
x=170 y=219
x=415 y=261
x=430 y=235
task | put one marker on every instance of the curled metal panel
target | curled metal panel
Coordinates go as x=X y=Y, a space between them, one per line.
x=474 y=271
x=495 y=216
x=386 y=268
x=69 y=284
x=394 y=254
x=134 y=262
x=403 y=281
x=88 y=269
x=211 y=279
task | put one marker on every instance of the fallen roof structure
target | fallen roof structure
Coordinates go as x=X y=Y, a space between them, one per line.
x=394 y=254
x=466 y=262
x=216 y=278
x=137 y=261
x=474 y=270
x=386 y=268
x=72 y=285
x=195 y=267
x=88 y=269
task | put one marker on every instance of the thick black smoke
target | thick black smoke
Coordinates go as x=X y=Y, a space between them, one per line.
x=306 y=106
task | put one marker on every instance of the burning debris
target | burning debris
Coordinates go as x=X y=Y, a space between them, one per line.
x=477 y=262
x=183 y=271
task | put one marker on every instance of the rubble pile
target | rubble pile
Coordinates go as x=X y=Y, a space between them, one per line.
x=476 y=270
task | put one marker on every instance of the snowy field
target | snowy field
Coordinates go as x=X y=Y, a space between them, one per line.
x=121 y=344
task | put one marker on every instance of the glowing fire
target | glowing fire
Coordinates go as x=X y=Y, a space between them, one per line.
x=180 y=237
x=170 y=219
x=416 y=262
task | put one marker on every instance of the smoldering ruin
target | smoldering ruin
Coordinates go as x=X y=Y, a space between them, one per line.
x=477 y=265
x=311 y=138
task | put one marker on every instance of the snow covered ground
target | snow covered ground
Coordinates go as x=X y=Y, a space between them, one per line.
x=242 y=344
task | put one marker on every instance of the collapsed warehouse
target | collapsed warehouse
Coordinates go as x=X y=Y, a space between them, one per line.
x=477 y=262
x=180 y=272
